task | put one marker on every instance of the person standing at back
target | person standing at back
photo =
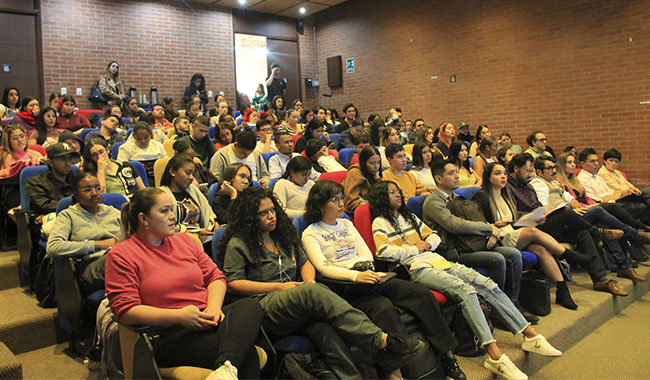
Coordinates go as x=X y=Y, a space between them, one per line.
x=275 y=83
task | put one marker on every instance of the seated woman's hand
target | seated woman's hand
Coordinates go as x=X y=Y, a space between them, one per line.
x=104 y=244
x=500 y=223
x=422 y=246
x=216 y=313
x=193 y=318
x=227 y=189
x=368 y=277
x=288 y=285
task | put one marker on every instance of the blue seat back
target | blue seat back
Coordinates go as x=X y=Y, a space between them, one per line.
x=128 y=132
x=142 y=172
x=345 y=155
x=467 y=192
x=471 y=161
x=116 y=149
x=336 y=138
x=25 y=175
x=216 y=238
x=267 y=157
x=415 y=205
x=257 y=184
x=87 y=131
x=212 y=132
x=212 y=192
x=272 y=183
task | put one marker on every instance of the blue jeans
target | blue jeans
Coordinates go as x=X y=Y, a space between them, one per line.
x=503 y=265
x=599 y=217
x=463 y=284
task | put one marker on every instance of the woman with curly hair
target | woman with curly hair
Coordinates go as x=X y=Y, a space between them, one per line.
x=360 y=177
x=263 y=257
x=338 y=252
x=402 y=238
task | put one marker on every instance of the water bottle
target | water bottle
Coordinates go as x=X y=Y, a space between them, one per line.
x=154 y=95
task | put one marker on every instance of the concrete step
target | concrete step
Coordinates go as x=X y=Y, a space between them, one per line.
x=563 y=328
x=52 y=362
x=25 y=326
x=9 y=270
x=10 y=367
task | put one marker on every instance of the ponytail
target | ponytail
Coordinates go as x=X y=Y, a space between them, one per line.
x=141 y=202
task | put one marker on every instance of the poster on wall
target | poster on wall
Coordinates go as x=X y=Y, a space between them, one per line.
x=349 y=65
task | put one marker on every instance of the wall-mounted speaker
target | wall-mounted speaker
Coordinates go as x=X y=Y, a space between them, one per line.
x=335 y=71
x=300 y=26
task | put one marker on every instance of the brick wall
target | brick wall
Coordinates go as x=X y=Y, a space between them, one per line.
x=157 y=43
x=568 y=68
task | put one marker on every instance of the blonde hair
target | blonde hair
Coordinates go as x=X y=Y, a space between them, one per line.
x=567 y=179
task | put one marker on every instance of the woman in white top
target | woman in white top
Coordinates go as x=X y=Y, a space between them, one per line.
x=389 y=135
x=499 y=208
x=293 y=188
x=142 y=148
x=421 y=160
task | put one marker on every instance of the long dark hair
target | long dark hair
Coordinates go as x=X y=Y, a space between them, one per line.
x=296 y=164
x=173 y=165
x=319 y=195
x=380 y=206
x=479 y=129
x=374 y=130
x=454 y=150
x=418 y=162
x=90 y=165
x=230 y=172
x=243 y=223
x=364 y=156
x=487 y=172
x=74 y=183
x=40 y=126
x=5 y=97
x=25 y=102
x=313 y=125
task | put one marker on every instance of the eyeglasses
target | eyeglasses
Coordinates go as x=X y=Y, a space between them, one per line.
x=264 y=213
x=90 y=189
x=338 y=198
x=266 y=130
x=393 y=192
x=98 y=153
x=18 y=137
x=554 y=167
x=544 y=139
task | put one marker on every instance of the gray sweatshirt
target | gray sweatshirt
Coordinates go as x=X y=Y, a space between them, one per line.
x=76 y=230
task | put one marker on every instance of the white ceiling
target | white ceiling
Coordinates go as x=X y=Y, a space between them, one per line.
x=286 y=8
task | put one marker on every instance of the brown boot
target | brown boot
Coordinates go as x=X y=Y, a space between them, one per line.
x=606 y=234
x=610 y=286
x=641 y=238
x=631 y=274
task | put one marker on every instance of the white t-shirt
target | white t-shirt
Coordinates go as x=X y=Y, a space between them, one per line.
x=292 y=197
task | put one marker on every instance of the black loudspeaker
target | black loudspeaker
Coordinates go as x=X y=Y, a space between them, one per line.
x=335 y=71
x=300 y=27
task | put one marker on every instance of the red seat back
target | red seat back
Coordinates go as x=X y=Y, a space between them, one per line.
x=363 y=222
x=337 y=177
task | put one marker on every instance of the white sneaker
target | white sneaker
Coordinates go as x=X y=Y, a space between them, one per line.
x=540 y=345
x=226 y=371
x=504 y=367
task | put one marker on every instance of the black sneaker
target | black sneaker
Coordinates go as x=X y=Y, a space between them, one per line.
x=452 y=369
x=398 y=352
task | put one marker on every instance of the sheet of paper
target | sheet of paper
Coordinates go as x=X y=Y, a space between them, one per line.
x=529 y=220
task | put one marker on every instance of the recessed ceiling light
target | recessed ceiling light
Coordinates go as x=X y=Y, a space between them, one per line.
x=242 y=2
x=302 y=10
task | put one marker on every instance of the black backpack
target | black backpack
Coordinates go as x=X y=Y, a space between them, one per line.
x=468 y=210
x=468 y=343
x=44 y=286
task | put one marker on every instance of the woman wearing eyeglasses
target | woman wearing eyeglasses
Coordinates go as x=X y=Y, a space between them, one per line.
x=15 y=142
x=338 y=252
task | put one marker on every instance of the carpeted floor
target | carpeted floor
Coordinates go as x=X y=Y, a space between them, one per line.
x=617 y=350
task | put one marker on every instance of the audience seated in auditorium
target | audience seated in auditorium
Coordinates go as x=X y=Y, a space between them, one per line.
x=487 y=150
x=131 y=110
x=278 y=162
x=160 y=278
x=192 y=210
x=550 y=192
x=113 y=176
x=10 y=104
x=223 y=135
x=597 y=189
x=351 y=115
x=464 y=134
x=498 y=206
x=503 y=264
x=328 y=232
x=68 y=119
x=170 y=109
x=107 y=131
x=389 y=135
x=459 y=156
x=47 y=189
x=446 y=135
x=110 y=84
x=87 y=229
x=15 y=153
x=236 y=178
x=26 y=118
x=242 y=150
x=313 y=131
x=158 y=114
x=397 y=173
x=504 y=155
x=200 y=141
x=292 y=189
x=46 y=131
x=181 y=128
x=259 y=100
x=537 y=144
x=264 y=131
x=142 y=148
x=402 y=238
x=218 y=114
x=203 y=178
x=563 y=224
x=482 y=131
x=361 y=176
x=263 y=257
x=75 y=143
x=425 y=135
x=421 y=168
x=617 y=181
x=193 y=110
x=290 y=124
x=117 y=111
x=354 y=130
x=360 y=142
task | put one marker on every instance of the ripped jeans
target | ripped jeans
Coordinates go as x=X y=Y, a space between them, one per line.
x=463 y=284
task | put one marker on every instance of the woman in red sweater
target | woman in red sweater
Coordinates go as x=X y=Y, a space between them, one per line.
x=67 y=118
x=156 y=277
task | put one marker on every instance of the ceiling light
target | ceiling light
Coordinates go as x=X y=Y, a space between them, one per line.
x=302 y=10
x=242 y=2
